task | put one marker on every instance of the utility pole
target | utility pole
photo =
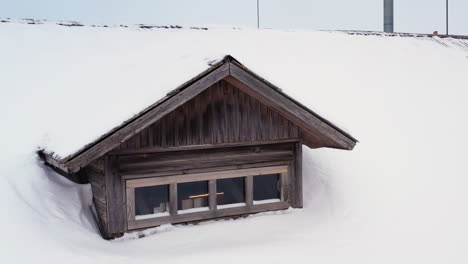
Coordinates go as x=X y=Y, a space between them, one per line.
x=258 y=13
x=446 y=17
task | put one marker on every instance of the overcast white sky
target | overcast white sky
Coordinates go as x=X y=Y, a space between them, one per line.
x=422 y=16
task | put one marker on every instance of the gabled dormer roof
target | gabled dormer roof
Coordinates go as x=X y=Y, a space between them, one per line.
x=316 y=131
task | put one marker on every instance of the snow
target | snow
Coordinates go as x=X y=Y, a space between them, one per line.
x=233 y=205
x=194 y=210
x=147 y=216
x=266 y=201
x=399 y=197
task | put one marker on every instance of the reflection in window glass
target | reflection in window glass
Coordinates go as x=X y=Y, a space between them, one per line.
x=151 y=201
x=192 y=197
x=230 y=192
x=266 y=188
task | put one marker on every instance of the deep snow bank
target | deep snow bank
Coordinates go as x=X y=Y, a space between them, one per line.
x=400 y=196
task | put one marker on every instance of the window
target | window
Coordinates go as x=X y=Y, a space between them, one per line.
x=230 y=192
x=266 y=188
x=192 y=197
x=151 y=201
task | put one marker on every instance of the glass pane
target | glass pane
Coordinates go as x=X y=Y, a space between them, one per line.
x=192 y=197
x=151 y=201
x=230 y=192
x=266 y=188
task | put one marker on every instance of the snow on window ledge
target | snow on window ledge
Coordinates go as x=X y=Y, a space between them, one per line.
x=155 y=215
x=193 y=210
x=224 y=206
x=266 y=201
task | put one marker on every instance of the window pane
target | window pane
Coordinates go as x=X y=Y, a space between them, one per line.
x=192 y=196
x=151 y=201
x=230 y=192
x=266 y=188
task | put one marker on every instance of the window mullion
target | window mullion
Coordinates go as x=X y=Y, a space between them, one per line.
x=249 y=190
x=173 y=198
x=213 y=195
x=284 y=187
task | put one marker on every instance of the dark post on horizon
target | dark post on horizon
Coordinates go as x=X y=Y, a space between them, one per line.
x=446 y=16
x=258 y=13
x=388 y=15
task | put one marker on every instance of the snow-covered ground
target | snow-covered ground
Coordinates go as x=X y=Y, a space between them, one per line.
x=400 y=197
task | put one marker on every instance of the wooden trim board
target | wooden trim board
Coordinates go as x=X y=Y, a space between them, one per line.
x=205 y=176
x=207 y=215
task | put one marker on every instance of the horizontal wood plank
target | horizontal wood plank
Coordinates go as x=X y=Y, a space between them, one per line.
x=149 y=150
x=211 y=168
x=205 y=176
x=214 y=158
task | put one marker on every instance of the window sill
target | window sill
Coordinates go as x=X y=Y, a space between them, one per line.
x=206 y=215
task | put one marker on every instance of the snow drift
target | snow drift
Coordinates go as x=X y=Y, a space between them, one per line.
x=399 y=197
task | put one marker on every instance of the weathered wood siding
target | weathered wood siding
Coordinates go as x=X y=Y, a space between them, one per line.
x=212 y=122
x=182 y=161
x=220 y=114
x=95 y=174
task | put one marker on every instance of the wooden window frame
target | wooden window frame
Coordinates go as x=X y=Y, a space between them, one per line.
x=213 y=212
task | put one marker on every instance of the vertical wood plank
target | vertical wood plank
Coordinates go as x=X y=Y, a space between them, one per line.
x=163 y=132
x=285 y=128
x=173 y=199
x=115 y=203
x=219 y=114
x=243 y=117
x=130 y=204
x=208 y=119
x=170 y=129
x=192 y=130
x=275 y=124
x=236 y=114
x=271 y=124
x=249 y=190
x=178 y=123
x=137 y=141
x=226 y=113
x=180 y=126
x=148 y=136
x=292 y=130
x=298 y=174
x=151 y=135
x=213 y=195
x=295 y=133
x=229 y=109
x=157 y=134
x=264 y=131
x=205 y=117
x=284 y=186
x=292 y=181
x=199 y=120
x=215 y=112
x=252 y=124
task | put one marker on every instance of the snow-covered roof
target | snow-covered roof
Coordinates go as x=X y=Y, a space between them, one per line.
x=399 y=197
x=96 y=78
